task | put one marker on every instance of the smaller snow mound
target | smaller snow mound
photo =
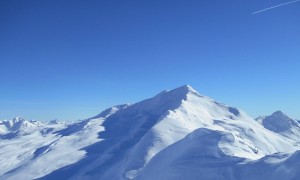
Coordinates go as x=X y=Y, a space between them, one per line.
x=279 y=122
x=197 y=156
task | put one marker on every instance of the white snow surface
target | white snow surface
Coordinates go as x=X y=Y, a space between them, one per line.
x=177 y=134
x=282 y=124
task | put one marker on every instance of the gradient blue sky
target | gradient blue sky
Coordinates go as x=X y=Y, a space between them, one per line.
x=69 y=59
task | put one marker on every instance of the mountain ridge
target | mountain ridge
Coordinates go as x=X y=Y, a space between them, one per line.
x=123 y=142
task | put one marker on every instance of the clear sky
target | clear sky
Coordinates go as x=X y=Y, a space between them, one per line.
x=70 y=59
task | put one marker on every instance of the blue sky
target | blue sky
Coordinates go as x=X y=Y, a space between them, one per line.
x=71 y=59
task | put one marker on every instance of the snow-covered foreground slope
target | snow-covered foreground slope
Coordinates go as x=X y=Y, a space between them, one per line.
x=177 y=134
x=198 y=156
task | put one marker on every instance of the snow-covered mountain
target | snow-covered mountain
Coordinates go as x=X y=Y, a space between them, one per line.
x=282 y=124
x=177 y=134
x=16 y=124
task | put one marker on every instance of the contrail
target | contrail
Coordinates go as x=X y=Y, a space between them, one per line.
x=275 y=6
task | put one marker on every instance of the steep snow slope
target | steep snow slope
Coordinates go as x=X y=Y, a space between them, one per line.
x=245 y=138
x=123 y=130
x=172 y=136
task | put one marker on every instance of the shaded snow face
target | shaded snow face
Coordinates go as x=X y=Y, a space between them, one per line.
x=279 y=122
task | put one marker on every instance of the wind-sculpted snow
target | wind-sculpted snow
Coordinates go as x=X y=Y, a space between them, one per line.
x=198 y=156
x=177 y=134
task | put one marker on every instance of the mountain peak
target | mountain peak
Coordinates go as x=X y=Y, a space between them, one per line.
x=183 y=90
x=186 y=88
x=18 y=118
x=18 y=123
x=278 y=122
x=279 y=113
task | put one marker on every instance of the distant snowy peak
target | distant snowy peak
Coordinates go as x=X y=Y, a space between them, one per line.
x=16 y=124
x=278 y=122
x=55 y=121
